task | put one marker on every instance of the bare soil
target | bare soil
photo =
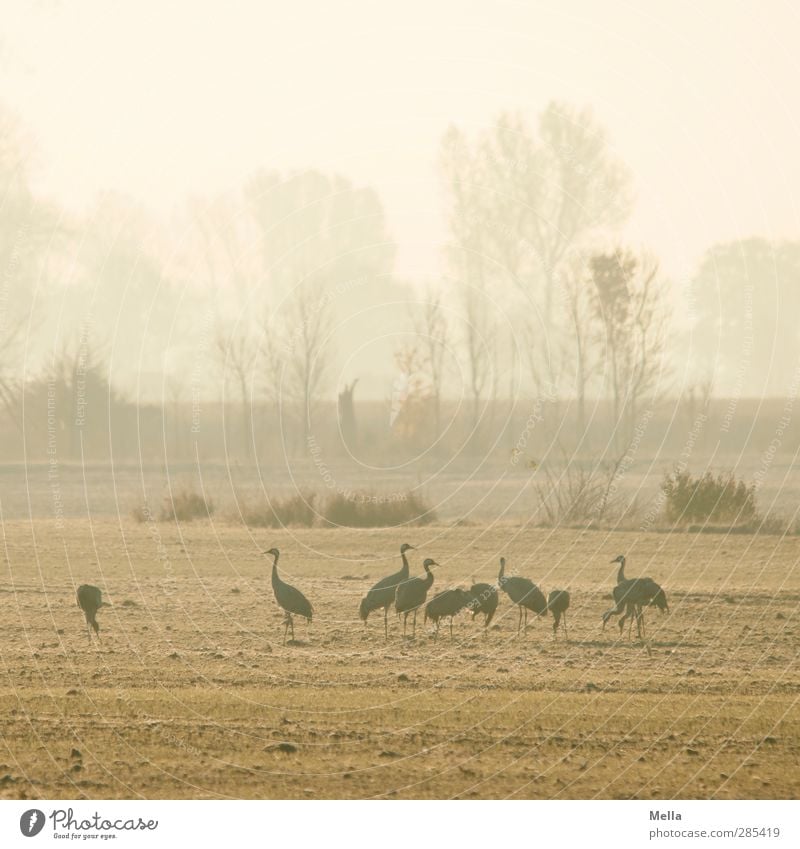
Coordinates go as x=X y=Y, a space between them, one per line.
x=191 y=692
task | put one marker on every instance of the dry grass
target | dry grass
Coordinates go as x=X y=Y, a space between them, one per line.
x=373 y=510
x=293 y=511
x=185 y=505
x=191 y=694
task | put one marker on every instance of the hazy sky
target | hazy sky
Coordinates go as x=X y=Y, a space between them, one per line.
x=161 y=99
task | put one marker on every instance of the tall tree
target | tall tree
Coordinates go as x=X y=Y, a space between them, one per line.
x=527 y=203
x=235 y=351
x=745 y=300
x=432 y=331
x=470 y=268
x=631 y=315
x=27 y=231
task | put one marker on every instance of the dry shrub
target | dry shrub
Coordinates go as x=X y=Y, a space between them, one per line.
x=185 y=506
x=368 y=510
x=295 y=510
x=575 y=496
x=709 y=499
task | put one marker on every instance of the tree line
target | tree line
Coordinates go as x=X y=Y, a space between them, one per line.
x=276 y=305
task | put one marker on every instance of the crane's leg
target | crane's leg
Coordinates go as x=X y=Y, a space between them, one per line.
x=566 y=632
x=286 y=629
x=451 y=629
x=414 y=626
x=525 y=629
x=405 y=622
x=519 y=621
x=88 y=632
x=386 y=623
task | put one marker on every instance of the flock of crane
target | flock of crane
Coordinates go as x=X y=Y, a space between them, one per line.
x=408 y=595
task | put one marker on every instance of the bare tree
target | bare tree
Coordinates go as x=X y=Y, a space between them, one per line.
x=470 y=265
x=579 y=337
x=27 y=231
x=551 y=193
x=307 y=330
x=527 y=202
x=432 y=331
x=631 y=314
x=235 y=351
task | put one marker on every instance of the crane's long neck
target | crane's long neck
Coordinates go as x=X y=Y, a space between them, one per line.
x=428 y=577
x=275 y=578
x=621 y=572
x=404 y=570
x=502 y=573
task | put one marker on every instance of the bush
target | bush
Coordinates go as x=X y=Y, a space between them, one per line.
x=708 y=499
x=368 y=510
x=186 y=506
x=297 y=510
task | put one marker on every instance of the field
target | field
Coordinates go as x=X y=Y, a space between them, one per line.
x=191 y=693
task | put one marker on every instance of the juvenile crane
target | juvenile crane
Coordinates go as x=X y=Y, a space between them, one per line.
x=90 y=600
x=383 y=593
x=411 y=594
x=483 y=599
x=557 y=604
x=445 y=605
x=290 y=599
x=524 y=593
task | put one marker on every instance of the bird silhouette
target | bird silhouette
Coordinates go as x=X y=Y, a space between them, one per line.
x=631 y=596
x=647 y=593
x=383 y=593
x=90 y=600
x=557 y=604
x=445 y=605
x=411 y=594
x=483 y=599
x=524 y=593
x=289 y=598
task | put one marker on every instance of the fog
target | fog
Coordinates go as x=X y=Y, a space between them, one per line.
x=435 y=240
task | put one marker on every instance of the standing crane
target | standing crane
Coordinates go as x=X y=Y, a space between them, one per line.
x=90 y=600
x=383 y=593
x=524 y=593
x=289 y=599
x=483 y=599
x=557 y=604
x=411 y=594
x=631 y=596
x=648 y=594
x=445 y=605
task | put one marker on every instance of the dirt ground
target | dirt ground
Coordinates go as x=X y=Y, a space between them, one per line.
x=191 y=693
